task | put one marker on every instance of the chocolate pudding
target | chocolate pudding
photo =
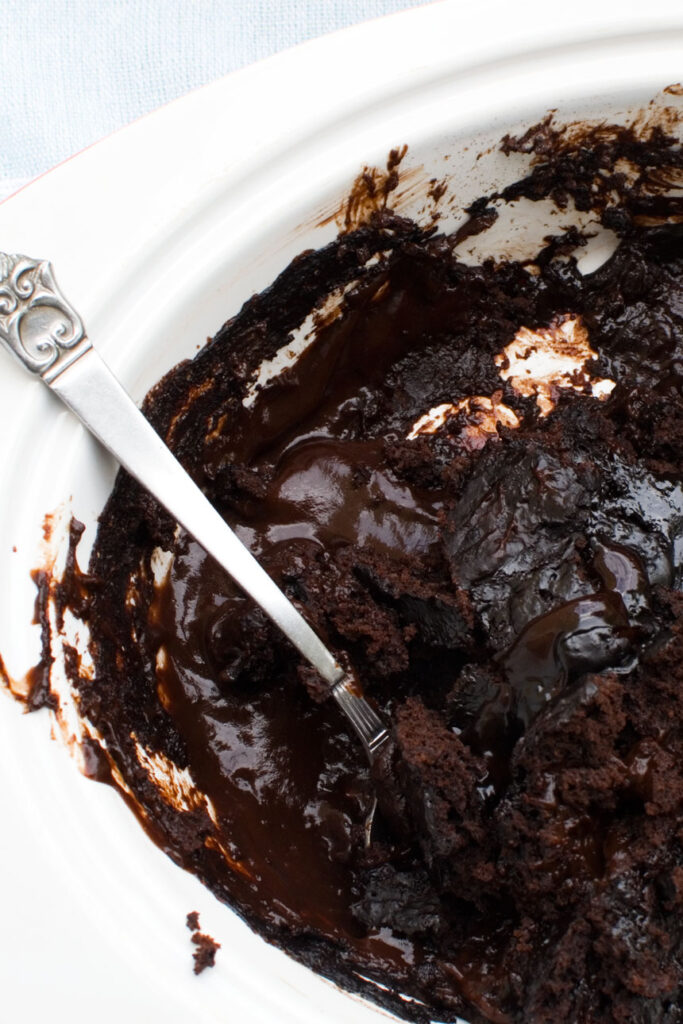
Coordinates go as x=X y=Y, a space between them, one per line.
x=471 y=484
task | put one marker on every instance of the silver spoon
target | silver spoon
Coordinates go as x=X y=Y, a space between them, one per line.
x=46 y=334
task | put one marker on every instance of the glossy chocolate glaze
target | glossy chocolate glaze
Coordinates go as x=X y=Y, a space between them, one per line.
x=513 y=607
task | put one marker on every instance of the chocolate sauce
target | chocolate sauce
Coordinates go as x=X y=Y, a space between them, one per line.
x=513 y=606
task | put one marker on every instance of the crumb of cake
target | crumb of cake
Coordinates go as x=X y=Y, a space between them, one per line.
x=205 y=954
x=206 y=947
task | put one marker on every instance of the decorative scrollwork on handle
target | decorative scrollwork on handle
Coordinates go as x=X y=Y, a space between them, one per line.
x=37 y=324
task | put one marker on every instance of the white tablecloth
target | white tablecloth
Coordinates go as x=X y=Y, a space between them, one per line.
x=75 y=70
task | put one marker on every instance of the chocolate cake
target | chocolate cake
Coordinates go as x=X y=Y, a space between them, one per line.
x=496 y=544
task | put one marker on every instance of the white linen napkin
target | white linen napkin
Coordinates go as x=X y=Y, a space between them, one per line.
x=75 y=70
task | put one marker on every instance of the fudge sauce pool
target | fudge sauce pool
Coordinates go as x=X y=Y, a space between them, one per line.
x=496 y=544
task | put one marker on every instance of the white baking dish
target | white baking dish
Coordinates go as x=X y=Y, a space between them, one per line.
x=157 y=235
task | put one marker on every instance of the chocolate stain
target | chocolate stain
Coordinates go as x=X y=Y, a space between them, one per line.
x=376 y=190
x=33 y=688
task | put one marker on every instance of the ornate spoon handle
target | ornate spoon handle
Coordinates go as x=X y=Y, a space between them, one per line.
x=46 y=334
